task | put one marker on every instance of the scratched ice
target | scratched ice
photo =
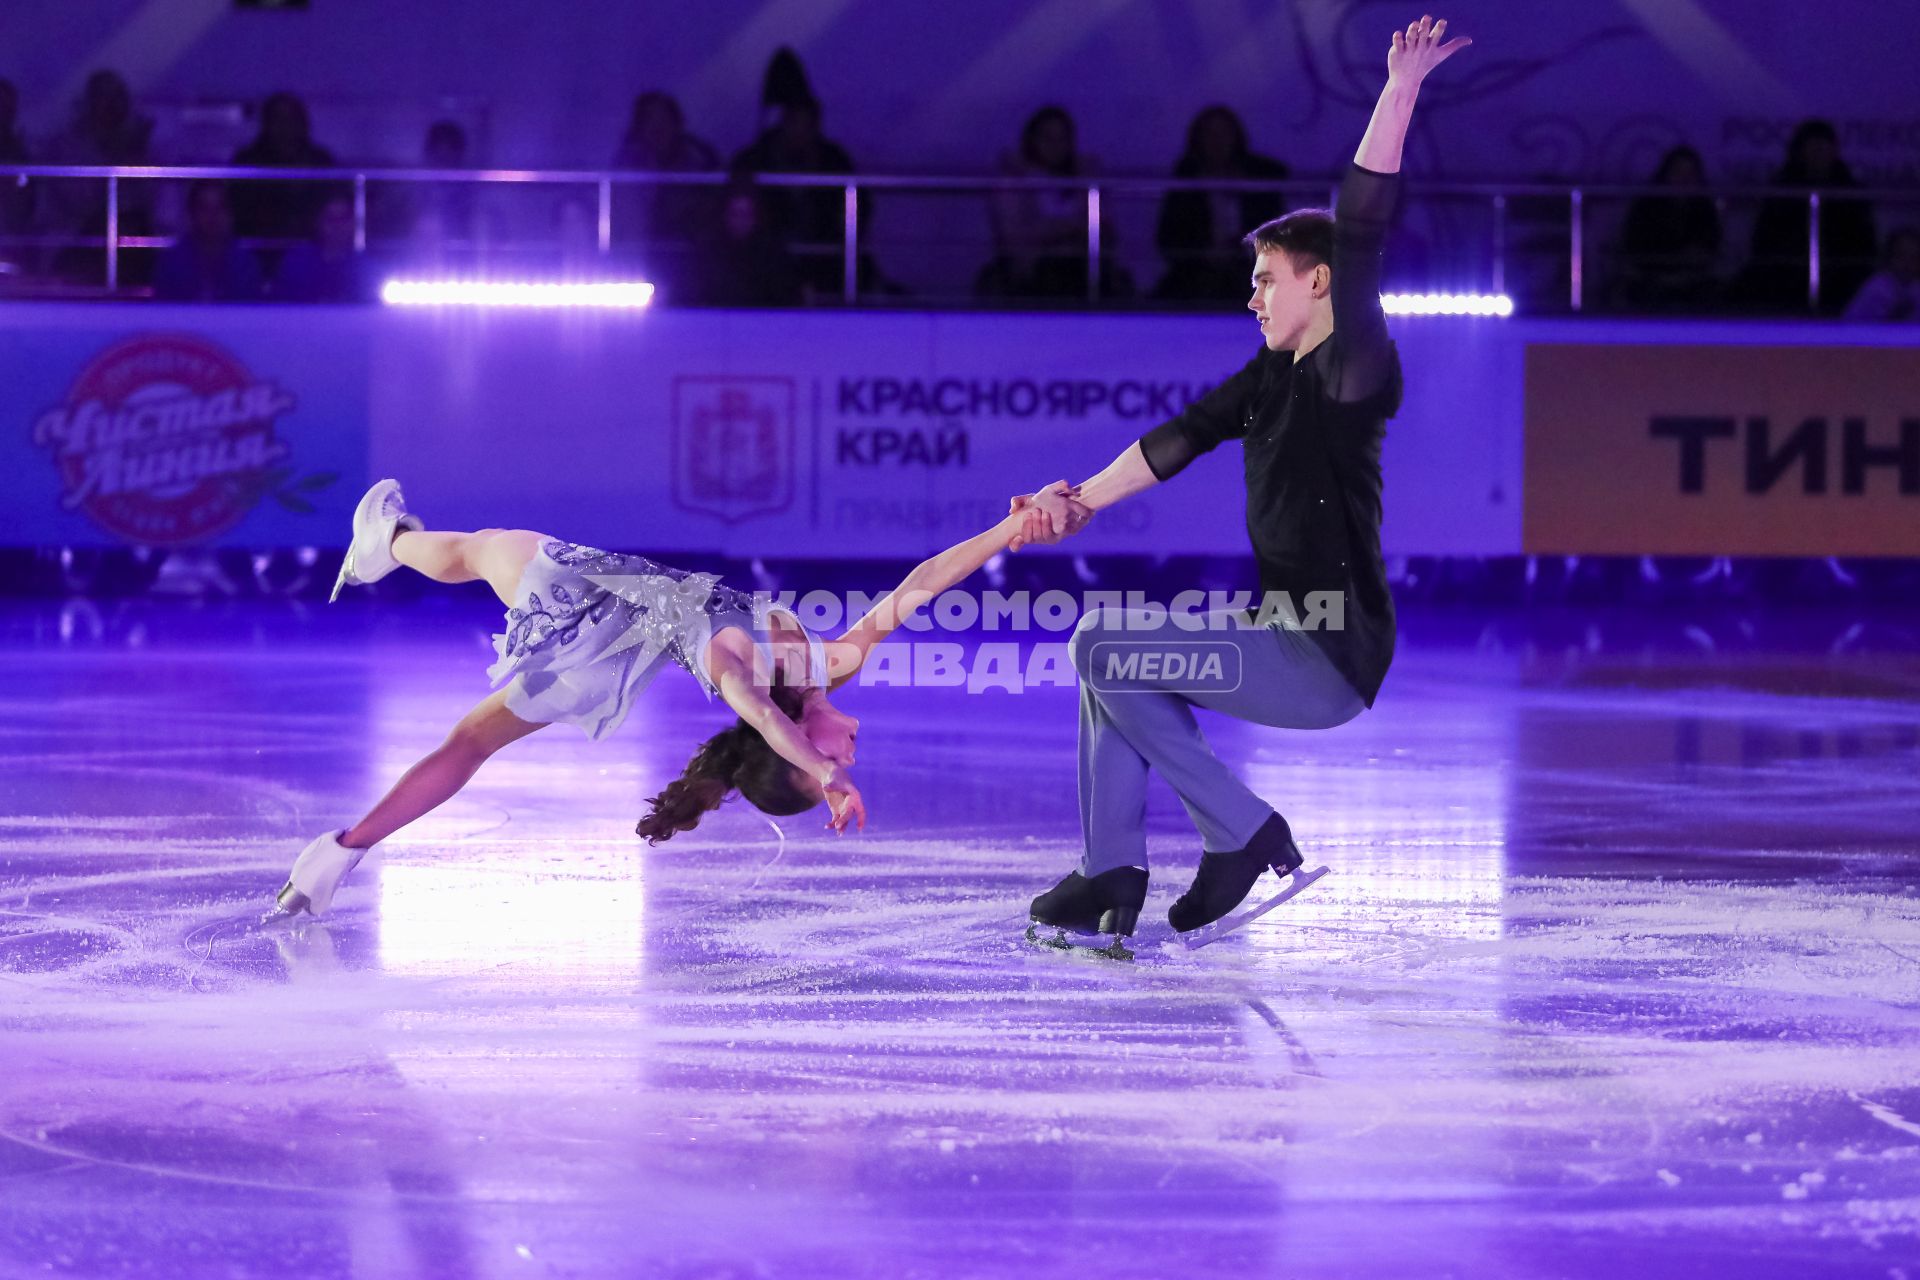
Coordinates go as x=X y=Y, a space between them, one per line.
x=1618 y=973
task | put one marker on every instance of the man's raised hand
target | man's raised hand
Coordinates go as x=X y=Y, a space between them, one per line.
x=1419 y=49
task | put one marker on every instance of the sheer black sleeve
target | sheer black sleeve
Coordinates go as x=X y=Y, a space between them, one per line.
x=1219 y=415
x=1366 y=208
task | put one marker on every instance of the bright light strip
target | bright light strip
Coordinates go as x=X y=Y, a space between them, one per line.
x=1446 y=304
x=619 y=295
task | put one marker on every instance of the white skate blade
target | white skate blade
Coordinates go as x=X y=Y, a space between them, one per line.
x=340 y=583
x=1296 y=883
x=1109 y=946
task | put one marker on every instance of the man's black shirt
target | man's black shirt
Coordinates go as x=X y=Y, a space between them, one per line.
x=1311 y=432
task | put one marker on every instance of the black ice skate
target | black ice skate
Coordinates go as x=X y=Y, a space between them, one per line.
x=1095 y=913
x=1209 y=910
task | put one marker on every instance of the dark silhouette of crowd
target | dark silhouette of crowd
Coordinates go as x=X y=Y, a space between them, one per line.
x=1200 y=230
x=1671 y=245
x=733 y=232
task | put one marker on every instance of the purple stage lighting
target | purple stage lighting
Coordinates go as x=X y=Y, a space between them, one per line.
x=1446 y=304
x=604 y=294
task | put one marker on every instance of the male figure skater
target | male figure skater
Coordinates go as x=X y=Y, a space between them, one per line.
x=1310 y=410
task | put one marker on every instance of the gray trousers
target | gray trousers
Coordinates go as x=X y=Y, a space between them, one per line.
x=1139 y=685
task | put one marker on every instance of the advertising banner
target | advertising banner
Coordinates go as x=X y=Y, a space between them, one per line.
x=888 y=435
x=189 y=430
x=1737 y=450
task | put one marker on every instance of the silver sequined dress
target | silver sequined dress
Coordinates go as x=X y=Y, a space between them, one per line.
x=590 y=629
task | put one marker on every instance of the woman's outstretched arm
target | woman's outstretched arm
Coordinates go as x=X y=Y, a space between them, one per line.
x=929 y=578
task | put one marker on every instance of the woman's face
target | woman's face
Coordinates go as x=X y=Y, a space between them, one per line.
x=1219 y=140
x=1053 y=142
x=1684 y=171
x=832 y=731
x=1819 y=154
x=446 y=149
x=284 y=122
x=659 y=127
x=109 y=102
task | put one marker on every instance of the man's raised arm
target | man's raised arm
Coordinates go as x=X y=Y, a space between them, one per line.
x=1364 y=210
x=1416 y=51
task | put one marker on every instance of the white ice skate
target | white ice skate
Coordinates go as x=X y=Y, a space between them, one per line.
x=381 y=514
x=316 y=874
x=1294 y=884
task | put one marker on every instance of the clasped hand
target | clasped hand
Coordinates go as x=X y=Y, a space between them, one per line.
x=1048 y=516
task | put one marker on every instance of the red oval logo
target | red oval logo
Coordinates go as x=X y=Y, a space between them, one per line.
x=166 y=439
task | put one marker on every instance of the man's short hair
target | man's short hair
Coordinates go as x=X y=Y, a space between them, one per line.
x=1305 y=236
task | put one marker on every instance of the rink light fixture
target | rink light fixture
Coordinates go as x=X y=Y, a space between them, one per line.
x=1446 y=304
x=618 y=295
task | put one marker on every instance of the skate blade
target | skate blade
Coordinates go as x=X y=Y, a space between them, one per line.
x=1053 y=938
x=340 y=583
x=288 y=903
x=1298 y=882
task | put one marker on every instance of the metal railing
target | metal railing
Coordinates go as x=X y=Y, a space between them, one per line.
x=1496 y=195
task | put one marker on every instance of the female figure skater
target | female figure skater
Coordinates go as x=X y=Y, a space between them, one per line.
x=588 y=630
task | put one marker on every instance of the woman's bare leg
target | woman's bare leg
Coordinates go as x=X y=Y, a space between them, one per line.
x=499 y=556
x=440 y=774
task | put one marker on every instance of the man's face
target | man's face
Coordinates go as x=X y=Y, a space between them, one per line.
x=1284 y=298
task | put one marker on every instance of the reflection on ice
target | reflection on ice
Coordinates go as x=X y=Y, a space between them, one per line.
x=1591 y=980
x=481 y=907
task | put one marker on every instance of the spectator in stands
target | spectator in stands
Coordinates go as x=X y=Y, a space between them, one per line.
x=809 y=222
x=576 y=227
x=1040 y=234
x=12 y=149
x=281 y=210
x=394 y=207
x=657 y=141
x=1670 y=244
x=1776 y=277
x=1199 y=232
x=446 y=148
x=106 y=130
x=1893 y=293
x=446 y=145
x=742 y=263
x=16 y=194
x=327 y=267
x=207 y=264
x=428 y=250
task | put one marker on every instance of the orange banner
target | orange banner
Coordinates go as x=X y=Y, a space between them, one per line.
x=1722 y=450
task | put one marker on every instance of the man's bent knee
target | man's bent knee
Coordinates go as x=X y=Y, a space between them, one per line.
x=1092 y=628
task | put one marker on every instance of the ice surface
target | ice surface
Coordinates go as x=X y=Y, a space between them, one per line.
x=1619 y=975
